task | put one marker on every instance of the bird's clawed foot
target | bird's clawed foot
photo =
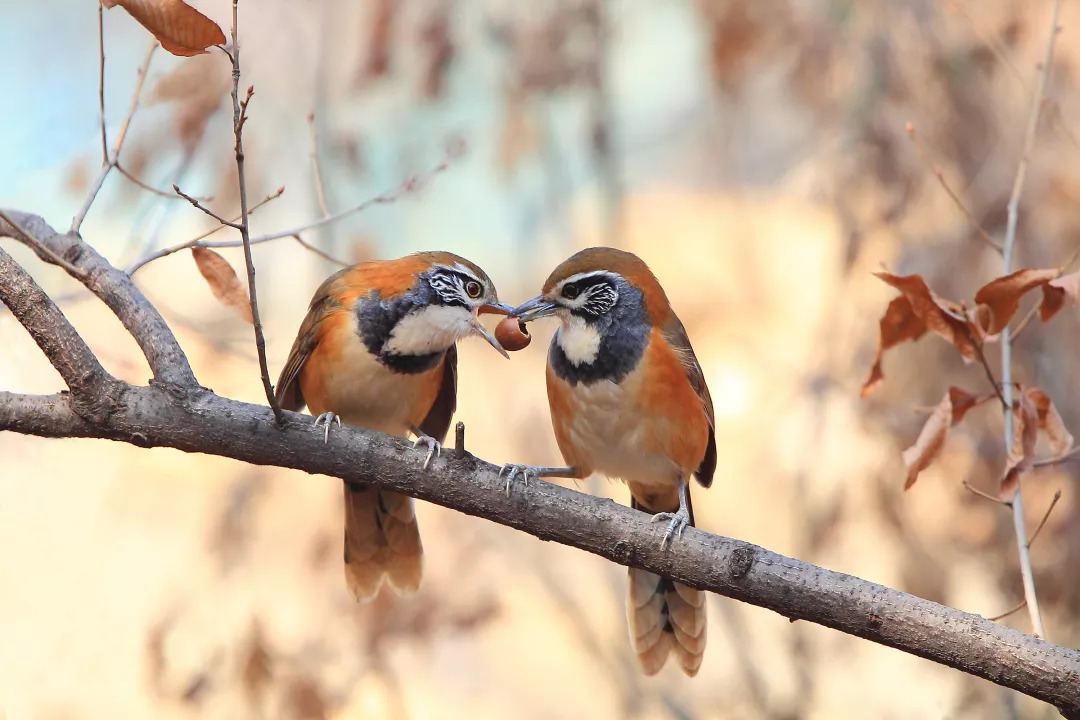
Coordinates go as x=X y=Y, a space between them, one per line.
x=679 y=520
x=434 y=447
x=513 y=470
x=327 y=419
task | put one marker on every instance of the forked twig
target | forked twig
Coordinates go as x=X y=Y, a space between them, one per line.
x=239 y=118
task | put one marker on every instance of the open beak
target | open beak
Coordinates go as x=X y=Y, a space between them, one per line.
x=487 y=335
x=538 y=307
x=495 y=308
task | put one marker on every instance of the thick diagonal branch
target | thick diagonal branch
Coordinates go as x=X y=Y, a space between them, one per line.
x=218 y=426
x=167 y=361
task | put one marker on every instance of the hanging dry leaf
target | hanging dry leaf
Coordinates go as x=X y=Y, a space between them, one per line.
x=897 y=325
x=930 y=441
x=1001 y=296
x=1056 y=291
x=180 y=28
x=950 y=411
x=1050 y=422
x=1022 y=452
x=940 y=316
x=222 y=280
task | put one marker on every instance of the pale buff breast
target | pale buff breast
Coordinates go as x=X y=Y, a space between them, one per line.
x=366 y=393
x=613 y=435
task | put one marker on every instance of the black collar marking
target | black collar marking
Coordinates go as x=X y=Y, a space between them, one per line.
x=376 y=319
x=624 y=335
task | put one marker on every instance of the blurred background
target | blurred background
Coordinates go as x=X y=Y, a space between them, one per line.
x=754 y=154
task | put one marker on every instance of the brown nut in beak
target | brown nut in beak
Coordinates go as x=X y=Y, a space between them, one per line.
x=512 y=335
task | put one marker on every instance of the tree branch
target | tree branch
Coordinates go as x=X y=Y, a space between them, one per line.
x=157 y=342
x=149 y=417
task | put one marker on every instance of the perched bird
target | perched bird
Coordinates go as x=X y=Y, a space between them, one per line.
x=628 y=399
x=377 y=350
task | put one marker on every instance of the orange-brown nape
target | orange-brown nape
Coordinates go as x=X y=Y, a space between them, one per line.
x=377 y=350
x=628 y=399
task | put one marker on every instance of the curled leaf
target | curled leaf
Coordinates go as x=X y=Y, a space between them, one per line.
x=897 y=325
x=222 y=280
x=1056 y=291
x=1001 y=296
x=935 y=431
x=939 y=316
x=1022 y=452
x=180 y=28
x=1050 y=422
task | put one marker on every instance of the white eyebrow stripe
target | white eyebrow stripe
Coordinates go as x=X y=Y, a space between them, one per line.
x=458 y=267
x=590 y=274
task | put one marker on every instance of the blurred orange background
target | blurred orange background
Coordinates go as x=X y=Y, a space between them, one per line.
x=754 y=154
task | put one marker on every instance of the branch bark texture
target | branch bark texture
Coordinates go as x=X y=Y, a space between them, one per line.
x=190 y=418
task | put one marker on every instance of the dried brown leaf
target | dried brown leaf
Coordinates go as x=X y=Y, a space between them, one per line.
x=1002 y=295
x=1050 y=422
x=180 y=28
x=223 y=281
x=962 y=401
x=897 y=325
x=935 y=314
x=1022 y=452
x=1056 y=291
x=930 y=441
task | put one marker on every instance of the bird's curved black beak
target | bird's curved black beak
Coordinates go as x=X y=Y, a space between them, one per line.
x=538 y=307
x=494 y=308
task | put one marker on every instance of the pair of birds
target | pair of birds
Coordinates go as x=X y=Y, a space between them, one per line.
x=628 y=399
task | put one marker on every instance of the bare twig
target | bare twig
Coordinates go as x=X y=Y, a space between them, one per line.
x=1046 y=516
x=388 y=197
x=983 y=235
x=36 y=245
x=983 y=494
x=1006 y=341
x=108 y=162
x=150 y=188
x=1050 y=462
x=239 y=118
x=198 y=241
x=1010 y=611
x=199 y=206
x=316 y=171
x=311 y=248
x=459 y=440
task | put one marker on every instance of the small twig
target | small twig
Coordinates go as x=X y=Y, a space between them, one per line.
x=316 y=171
x=317 y=251
x=986 y=365
x=150 y=188
x=983 y=494
x=1006 y=342
x=39 y=248
x=109 y=162
x=1010 y=611
x=101 y=83
x=198 y=241
x=983 y=235
x=388 y=197
x=1050 y=462
x=1025 y=321
x=199 y=206
x=459 y=440
x=239 y=118
x=1046 y=516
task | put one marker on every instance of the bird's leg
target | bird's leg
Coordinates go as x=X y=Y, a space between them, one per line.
x=434 y=446
x=679 y=519
x=327 y=419
x=512 y=470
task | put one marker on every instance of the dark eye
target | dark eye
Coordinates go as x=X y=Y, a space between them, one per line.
x=473 y=289
x=570 y=291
